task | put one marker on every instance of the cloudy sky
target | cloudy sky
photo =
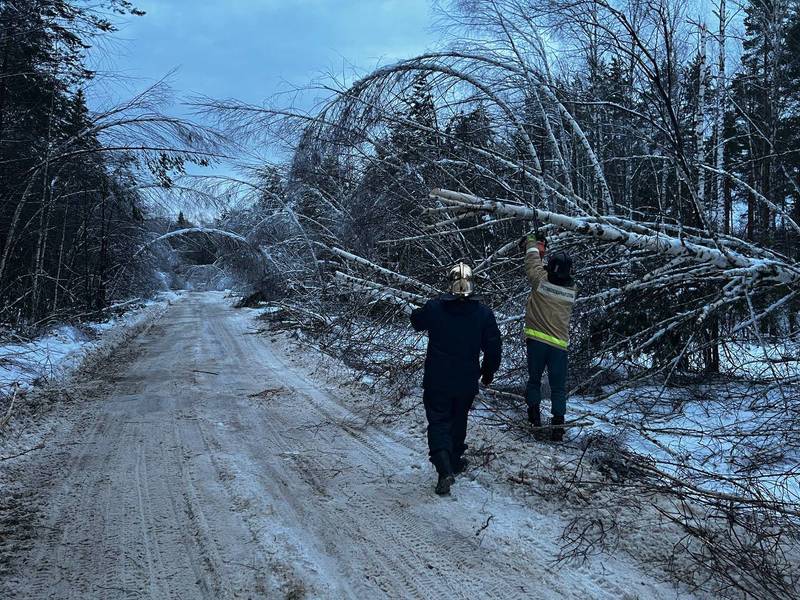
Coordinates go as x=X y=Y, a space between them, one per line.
x=252 y=49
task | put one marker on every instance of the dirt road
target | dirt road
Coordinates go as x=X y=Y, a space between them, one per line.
x=200 y=463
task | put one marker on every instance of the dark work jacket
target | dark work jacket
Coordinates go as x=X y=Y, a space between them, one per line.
x=458 y=330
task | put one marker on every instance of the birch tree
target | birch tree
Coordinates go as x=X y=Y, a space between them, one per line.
x=678 y=318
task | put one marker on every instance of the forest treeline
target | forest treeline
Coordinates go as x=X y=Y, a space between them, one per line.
x=656 y=118
x=75 y=183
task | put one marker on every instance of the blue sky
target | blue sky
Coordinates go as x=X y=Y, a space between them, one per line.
x=252 y=49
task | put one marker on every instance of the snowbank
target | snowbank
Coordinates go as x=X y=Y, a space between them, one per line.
x=59 y=353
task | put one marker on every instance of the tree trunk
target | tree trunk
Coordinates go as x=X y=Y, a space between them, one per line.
x=721 y=208
x=700 y=120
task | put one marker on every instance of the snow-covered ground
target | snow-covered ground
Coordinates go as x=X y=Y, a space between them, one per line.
x=58 y=353
x=706 y=434
x=772 y=360
x=203 y=461
x=712 y=436
x=509 y=461
x=37 y=376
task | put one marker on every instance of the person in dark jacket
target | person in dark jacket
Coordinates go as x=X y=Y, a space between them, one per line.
x=459 y=329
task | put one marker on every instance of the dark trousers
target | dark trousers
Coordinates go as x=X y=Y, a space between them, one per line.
x=541 y=355
x=447 y=426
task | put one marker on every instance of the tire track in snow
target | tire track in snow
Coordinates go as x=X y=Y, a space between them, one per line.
x=175 y=482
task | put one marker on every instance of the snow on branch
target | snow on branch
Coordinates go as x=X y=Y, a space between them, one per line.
x=763 y=269
x=383 y=271
x=378 y=292
x=210 y=231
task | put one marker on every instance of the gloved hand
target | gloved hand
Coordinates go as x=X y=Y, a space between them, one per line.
x=541 y=242
x=487 y=378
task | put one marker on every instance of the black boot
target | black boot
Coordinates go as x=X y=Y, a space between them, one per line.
x=534 y=417
x=444 y=483
x=557 y=433
x=461 y=465
x=441 y=460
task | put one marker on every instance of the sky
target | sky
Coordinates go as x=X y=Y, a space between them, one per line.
x=253 y=49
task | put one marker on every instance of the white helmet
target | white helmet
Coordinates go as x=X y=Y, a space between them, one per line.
x=460 y=280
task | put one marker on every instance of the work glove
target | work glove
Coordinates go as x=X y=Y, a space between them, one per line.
x=541 y=242
x=487 y=378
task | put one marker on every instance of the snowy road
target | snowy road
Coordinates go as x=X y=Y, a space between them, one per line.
x=202 y=463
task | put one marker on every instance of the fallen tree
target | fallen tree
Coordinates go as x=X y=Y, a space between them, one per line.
x=685 y=343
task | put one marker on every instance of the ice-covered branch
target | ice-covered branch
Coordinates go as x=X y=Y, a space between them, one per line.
x=383 y=271
x=760 y=268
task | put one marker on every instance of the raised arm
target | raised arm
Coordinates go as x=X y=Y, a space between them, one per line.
x=534 y=252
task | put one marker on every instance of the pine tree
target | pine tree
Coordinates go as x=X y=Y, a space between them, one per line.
x=764 y=91
x=789 y=134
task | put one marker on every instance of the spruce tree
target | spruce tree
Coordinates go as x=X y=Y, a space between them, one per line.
x=767 y=93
